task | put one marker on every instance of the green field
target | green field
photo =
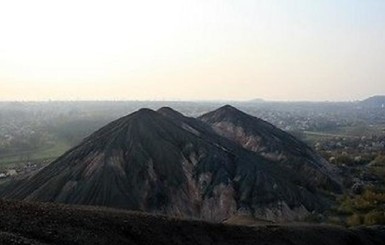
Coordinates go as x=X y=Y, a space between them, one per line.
x=38 y=155
x=344 y=132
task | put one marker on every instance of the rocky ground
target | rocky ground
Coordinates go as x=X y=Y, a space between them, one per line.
x=43 y=223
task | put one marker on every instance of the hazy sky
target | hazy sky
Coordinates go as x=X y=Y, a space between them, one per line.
x=192 y=50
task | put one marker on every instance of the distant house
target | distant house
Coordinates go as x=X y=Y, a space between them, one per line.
x=11 y=172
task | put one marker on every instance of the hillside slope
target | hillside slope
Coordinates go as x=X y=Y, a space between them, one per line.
x=279 y=147
x=377 y=101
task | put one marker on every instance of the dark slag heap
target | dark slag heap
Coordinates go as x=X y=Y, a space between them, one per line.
x=218 y=166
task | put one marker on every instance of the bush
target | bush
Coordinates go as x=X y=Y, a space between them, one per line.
x=368 y=201
x=344 y=159
x=335 y=220
x=379 y=161
x=354 y=220
x=375 y=218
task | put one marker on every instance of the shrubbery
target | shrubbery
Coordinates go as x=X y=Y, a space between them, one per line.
x=365 y=209
x=354 y=220
x=374 y=218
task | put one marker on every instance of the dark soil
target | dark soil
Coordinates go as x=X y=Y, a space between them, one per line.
x=44 y=223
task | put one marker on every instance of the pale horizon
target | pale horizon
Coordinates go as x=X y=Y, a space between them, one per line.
x=256 y=100
x=283 y=50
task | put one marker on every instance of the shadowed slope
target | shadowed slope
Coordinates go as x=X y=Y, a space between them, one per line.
x=303 y=154
x=274 y=144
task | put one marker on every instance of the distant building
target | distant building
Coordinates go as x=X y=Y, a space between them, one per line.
x=11 y=172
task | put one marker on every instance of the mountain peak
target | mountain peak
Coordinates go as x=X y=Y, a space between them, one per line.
x=141 y=123
x=144 y=111
x=169 y=112
x=228 y=108
x=227 y=113
x=142 y=114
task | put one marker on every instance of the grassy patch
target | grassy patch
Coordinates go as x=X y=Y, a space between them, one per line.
x=42 y=154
